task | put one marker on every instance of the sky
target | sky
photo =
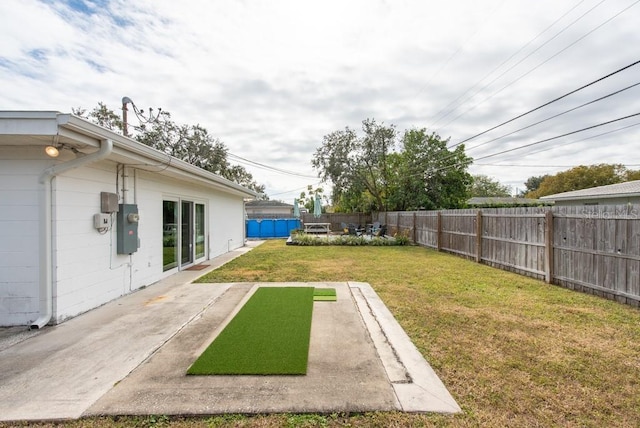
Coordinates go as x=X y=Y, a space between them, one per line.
x=271 y=78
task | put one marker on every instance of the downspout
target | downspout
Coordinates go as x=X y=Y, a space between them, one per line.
x=46 y=252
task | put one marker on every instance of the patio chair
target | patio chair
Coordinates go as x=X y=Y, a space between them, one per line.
x=381 y=232
x=375 y=227
x=354 y=230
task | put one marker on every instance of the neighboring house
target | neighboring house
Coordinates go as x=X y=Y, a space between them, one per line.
x=492 y=202
x=105 y=217
x=613 y=194
x=268 y=209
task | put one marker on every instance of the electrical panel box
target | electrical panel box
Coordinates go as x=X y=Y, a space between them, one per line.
x=108 y=202
x=127 y=230
x=102 y=221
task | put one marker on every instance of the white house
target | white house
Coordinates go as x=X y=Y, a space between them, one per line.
x=105 y=217
x=613 y=194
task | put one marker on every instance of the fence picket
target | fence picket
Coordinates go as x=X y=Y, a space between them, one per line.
x=591 y=249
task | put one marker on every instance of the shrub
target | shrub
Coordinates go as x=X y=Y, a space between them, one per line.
x=402 y=239
x=349 y=240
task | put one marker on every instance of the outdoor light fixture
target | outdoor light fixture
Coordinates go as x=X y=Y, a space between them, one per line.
x=52 y=151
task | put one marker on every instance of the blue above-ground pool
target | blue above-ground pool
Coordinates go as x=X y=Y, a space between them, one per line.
x=271 y=228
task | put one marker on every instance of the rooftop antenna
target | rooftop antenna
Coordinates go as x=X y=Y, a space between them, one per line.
x=139 y=114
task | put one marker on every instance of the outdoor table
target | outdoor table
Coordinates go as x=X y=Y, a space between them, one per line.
x=317 y=227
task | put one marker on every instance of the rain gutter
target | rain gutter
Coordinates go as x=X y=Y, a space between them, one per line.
x=46 y=230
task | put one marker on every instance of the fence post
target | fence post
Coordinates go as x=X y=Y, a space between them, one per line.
x=479 y=236
x=548 y=246
x=439 y=231
x=414 y=236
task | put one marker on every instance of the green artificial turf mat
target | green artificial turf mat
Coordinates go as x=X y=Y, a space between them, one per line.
x=325 y=295
x=268 y=336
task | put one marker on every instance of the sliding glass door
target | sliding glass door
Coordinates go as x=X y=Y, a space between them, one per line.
x=184 y=233
x=199 y=232
x=187 y=233
x=170 y=238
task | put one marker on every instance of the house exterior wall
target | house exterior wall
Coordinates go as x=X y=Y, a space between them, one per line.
x=226 y=225
x=224 y=212
x=87 y=271
x=19 y=234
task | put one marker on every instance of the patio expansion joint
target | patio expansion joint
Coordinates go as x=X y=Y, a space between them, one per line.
x=425 y=392
x=391 y=361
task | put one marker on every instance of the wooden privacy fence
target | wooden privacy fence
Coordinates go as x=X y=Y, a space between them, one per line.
x=594 y=249
x=337 y=219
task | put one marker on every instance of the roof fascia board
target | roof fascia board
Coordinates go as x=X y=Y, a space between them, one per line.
x=128 y=147
x=21 y=123
x=583 y=197
x=52 y=123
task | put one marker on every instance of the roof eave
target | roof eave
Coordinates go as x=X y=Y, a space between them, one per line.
x=585 y=197
x=129 y=146
x=75 y=129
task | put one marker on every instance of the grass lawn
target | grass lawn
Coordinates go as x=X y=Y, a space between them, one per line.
x=514 y=352
x=268 y=336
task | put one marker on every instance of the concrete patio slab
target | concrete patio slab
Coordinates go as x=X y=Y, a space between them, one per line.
x=131 y=355
x=344 y=372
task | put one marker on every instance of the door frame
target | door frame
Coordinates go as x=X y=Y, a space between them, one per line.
x=192 y=229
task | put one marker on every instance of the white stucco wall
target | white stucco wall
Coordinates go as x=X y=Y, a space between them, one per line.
x=19 y=233
x=227 y=224
x=88 y=272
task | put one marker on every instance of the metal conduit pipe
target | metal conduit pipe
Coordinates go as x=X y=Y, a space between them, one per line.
x=46 y=229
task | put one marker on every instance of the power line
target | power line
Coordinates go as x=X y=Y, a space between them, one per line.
x=549 y=148
x=549 y=102
x=538 y=66
x=270 y=168
x=458 y=50
x=541 y=166
x=555 y=116
x=544 y=105
x=509 y=59
x=582 y=139
x=546 y=140
x=559 y=136
x=295 y=190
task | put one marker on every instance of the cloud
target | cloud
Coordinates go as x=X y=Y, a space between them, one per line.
x=270 y=79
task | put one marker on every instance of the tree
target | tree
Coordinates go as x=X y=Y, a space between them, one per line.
x=102 y=116
x=632 y=175
x=485 y=186
x=355 y=163
x=368 y=175
x=581 y=177
x=190 y=143
x=427 y=175
x=307 y=199
x=533 y=183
